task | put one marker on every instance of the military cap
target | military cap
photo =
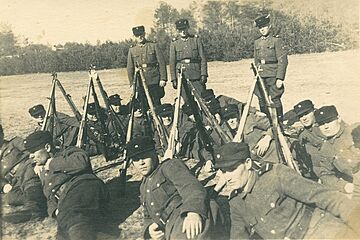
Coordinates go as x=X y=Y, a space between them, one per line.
x=326 y=114
x=115 y=100
x=231 y=154
x=230 y=111
x=139 y=145
x=164 y=110
x=182 y=24
x=91 y=108
x=290 y=118
x=10 y=157
x=208 y=94
x=37 y=111
x=304 y=107
x=37 y=140
x=262 y=21
x=214 y=106
x=187 y=109
x=138 y=31
x=355 y=133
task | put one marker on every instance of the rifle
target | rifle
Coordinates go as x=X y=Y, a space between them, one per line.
x=174 y=134
x=283 y=150
x=49 y=109
x=158 y=125
x=80 y=139
x=130 y=128
x=223 y=135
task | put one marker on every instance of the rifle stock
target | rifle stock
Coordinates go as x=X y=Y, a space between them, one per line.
x=80 y=139
x=49 y=109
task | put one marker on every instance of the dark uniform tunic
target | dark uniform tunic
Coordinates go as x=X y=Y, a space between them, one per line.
x=168 y=193
x=188 y=52
x=275 y=207
x=151 y=59
x=271 y=59
x=76 y=197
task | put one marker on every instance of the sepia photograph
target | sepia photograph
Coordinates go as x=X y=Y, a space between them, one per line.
x=179 y=119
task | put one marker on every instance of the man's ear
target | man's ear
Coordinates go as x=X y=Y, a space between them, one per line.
x=248 y=163
x=48 y=147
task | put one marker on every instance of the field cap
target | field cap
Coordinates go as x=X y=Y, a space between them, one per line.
x=304 y=107
x=37 y=140
x=37 y=111
x=182 y=24
x=138 y=146
x=326 y=114
x=231 y=154
x=138 y=31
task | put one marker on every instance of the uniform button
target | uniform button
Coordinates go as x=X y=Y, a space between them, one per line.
x=152 y=203
x=50 y=183
x=65 y=171
x=301 y=228
x=157 y=214
x=4 y=166
x=272 y=205
x=262 y=219
x=147 y=190
x=273 y=231
x=53 y=190
x=322 y=214
x=46 y=174
x=150 y=179
x=158 y=185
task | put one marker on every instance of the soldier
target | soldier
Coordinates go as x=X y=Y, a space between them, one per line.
x=271 y=201
x=119 y=109
x=19 y=183
x=188 y=52
x=271 y=59
x=175 y=203
x=147 y=54
x=166 y=113
x=66 y=128
x=76 y=197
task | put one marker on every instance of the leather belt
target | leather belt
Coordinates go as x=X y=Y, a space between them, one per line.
x=189 y=60
x=263 y=61
x=146 y=65
x=165 y=215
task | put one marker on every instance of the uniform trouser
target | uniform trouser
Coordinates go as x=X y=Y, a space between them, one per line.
x=275 y=95
x=156 y=93
x=82 y=211
x=199 y=87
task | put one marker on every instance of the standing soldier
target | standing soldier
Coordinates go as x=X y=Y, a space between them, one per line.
x=271 y=59
x=188 y=51
x=147 y=55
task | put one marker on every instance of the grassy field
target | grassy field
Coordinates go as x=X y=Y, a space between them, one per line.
x=326 y=78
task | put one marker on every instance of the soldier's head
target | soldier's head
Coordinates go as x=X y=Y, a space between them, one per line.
x=355 y=133
x=182 y=26
x=139 y=33
x=115 y=102
x=328 y=120
x=208 y=95
x=230 y=114
x=186 y=109
x=91 y=112
x=233 y=159
x=37 y=112
x=215 y=109
x=263 y=24
x=141 y=151
x=166 y=112
x=305 y=112
x=40 y=146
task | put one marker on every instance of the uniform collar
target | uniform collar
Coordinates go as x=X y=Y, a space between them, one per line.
x=242 y=192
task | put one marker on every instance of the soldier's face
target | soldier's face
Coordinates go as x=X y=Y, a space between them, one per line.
x=145 y=165
x=218 y=118
x=116 y=108
x=183 y=32
x=233 y=123
x=40 y=157
x=264 y=30
x=192 y=118
x=167 y=120
x=39 y=119
x=238 y=177
x=140 y=38
x=330 y=129
x=308 y=119
x=92 y=117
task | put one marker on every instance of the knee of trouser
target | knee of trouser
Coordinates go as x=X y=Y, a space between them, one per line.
x=15 y=197
x=82 y=231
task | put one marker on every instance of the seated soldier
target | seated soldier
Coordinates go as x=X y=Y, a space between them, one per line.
x=175 y=203
x=119 y=109
x=141 y=124
x=335 y=138
x=66 y=128
x=272 y=201
x=75 y=196
x=257 y=132
x=165 y=112
x=20 y=186
x=209 y=94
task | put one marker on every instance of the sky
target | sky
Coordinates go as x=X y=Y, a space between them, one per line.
x=60 y=21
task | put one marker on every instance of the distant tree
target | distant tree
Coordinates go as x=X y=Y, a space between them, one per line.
x=7 y=42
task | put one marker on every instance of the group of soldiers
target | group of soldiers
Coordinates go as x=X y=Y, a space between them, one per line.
x=319 y=198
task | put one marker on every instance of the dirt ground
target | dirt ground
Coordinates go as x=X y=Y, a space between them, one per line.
x=326 y=78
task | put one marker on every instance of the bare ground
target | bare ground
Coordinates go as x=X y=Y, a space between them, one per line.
x=326 y=78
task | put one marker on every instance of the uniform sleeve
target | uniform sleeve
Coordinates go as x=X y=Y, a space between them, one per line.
x=67 y=120
x=281 y=55
x=172 y=61
x=130 y=68
x=73 y=163
x=203 y=61
x=162 y=64
x=193 y=194
x=238 y=225
x=310 y=192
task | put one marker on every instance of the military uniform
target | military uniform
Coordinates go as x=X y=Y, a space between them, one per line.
x=270 y=57
x=148 y=56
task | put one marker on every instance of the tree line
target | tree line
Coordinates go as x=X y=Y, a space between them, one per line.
x=226 y=28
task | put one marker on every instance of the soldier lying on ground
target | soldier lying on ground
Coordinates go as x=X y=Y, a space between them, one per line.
x=20 y=186
x=271 y=201
x=75 y=196
x=66 y=128
x=175 y=203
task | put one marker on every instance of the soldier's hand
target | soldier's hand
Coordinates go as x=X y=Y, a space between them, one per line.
x=203 y=79
x=263 y=145
x=279 y=83
x=155 y=233
x=174 y=84
x=38 y=169
x=162 y=83
x=192 y=225
x=7 y=188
